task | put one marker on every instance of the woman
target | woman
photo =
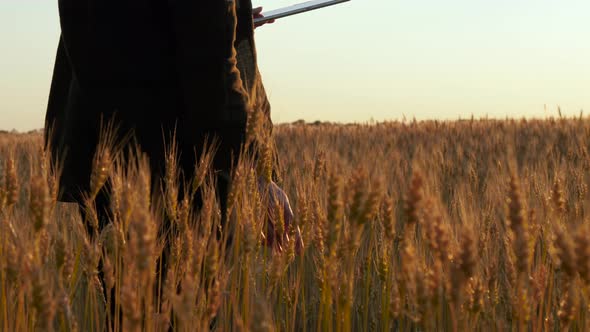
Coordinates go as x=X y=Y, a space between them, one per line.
x=154 y=68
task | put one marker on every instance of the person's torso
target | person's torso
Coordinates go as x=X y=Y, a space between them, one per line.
x=116 y=45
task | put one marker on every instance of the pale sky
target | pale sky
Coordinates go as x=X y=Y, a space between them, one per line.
x=366 y=59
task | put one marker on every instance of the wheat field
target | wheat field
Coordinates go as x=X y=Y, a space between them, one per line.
x=408 y=226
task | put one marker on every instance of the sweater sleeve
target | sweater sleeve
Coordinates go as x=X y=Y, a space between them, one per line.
x=211 y=89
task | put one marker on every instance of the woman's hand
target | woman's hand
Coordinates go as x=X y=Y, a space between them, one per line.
x=257 y=13
x=279 y=210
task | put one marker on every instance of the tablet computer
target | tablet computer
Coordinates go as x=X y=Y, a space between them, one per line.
x=296 y=9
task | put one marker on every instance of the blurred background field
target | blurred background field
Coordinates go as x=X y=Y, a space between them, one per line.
x=434 y=225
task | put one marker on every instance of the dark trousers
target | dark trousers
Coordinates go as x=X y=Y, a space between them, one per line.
x=104 y=213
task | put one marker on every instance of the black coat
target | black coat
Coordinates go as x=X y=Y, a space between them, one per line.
x=154 y=66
